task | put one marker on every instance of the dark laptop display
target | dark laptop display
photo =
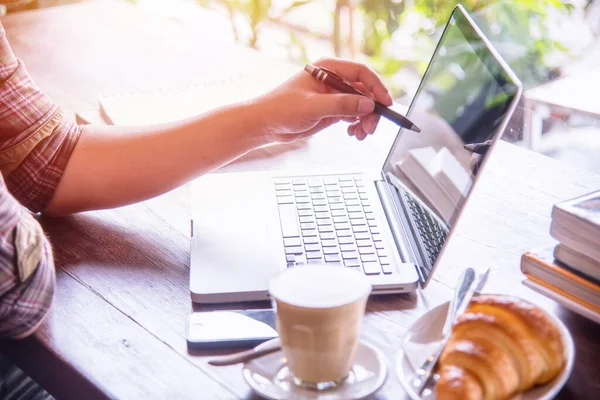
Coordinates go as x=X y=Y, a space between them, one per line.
x=462 y=100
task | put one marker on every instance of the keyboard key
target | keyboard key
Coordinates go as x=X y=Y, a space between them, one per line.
x=341 y=226
x=358 y=222
x=337 y=206
x=311 y=240
x=282 y=181
x=318 y=196
x=326 y=228
x=311 y=255
x=366 y=203
x=338 y=220
x=344 y=233
x=362 y=235
x=347 y=247
x=289 y=224
x=321 y=208
x=387 y=269
x=379 y=245
x=368 y=209
x=299 y=181
x=352 y=263
x=290 y=258
x=359 y=183
x=371 y=268
x=304 y=220
x=338 y=213
x=308 y=225
x=361 y=190
x=332 y=257
x=346 y=240
x=345 y=178
x=329 y=243
x=305 y=213
x=355 y=202
x=372 y=223
x=294 y=250
x=346 y=184
x=364 y=242
x=316 y=261
x=312 y=247
x=381 y=253
x=369 y=257
x=356 y=215
x=334 y=193
x=330 y=250
x=317 y=190
x=370 y=215
x=320 y=202
x=309 y=232
x=377 y=238
x=296 y=241
x=324 y=221
x=354 y=209
x=330 y=180
x=322 y=214
x=348 y=189
x=303 y=200
x=361 y=228
x=315 y=182
x=366 y=250
x=384 y=260
x=301 y=193
x=349 y=254
x=364 y=196
x=375 y=230
x=350 y=196
x=304 y=206
x=285 y=200
x=283 y=192
x=327 y=235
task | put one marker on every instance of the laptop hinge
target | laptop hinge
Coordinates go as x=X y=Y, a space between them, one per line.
x=400 y=229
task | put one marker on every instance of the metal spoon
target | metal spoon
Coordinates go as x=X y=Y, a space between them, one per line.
x=243 y=356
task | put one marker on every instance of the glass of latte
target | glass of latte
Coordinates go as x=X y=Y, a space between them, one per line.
x=319 y=314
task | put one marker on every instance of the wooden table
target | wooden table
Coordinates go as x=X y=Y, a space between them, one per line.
x=117 y=327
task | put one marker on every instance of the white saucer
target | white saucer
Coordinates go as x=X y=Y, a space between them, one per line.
x=269 y=376
x=425 y=333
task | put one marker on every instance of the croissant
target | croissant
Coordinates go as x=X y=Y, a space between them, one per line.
x=500 y=346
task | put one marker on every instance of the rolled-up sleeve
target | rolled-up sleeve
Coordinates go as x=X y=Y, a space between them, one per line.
x=26 y=269
x=36 y=138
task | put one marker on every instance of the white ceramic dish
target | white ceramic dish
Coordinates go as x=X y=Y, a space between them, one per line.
x=425 y=333
x=269 y=376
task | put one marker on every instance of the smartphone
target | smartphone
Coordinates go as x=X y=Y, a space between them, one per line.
x=228 y=329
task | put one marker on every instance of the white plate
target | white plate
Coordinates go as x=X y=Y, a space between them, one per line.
x=426 y=332
x=269 y=376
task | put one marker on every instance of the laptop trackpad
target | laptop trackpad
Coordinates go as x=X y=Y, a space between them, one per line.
x=237 y=246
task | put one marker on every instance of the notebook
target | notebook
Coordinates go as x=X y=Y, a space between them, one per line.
x=543 y=270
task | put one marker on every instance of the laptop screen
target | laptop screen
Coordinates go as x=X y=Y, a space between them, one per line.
x=464 y=98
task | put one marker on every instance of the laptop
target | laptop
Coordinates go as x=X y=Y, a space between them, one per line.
x=390 y=223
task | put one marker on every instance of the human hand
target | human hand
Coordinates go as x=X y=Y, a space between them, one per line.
x=302 y=106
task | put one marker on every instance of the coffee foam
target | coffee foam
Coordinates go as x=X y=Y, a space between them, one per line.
x=319 y=286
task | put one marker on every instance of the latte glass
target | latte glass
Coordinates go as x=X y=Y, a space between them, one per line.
x=319 y=314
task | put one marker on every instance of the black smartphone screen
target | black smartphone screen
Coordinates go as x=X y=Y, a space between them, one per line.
x=229 y=329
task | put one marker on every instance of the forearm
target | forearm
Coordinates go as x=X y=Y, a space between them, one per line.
x=113 y=166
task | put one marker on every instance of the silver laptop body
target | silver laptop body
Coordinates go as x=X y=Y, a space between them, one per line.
x=391 y=223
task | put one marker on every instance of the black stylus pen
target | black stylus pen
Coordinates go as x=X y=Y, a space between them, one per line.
x=332 y=79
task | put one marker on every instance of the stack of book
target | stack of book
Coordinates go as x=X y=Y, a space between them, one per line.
x=570 y=271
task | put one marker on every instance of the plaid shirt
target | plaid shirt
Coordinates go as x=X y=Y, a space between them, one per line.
x=36 y=142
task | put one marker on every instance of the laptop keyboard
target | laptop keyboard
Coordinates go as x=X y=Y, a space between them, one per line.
x=432 y=233
x=330 y=220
